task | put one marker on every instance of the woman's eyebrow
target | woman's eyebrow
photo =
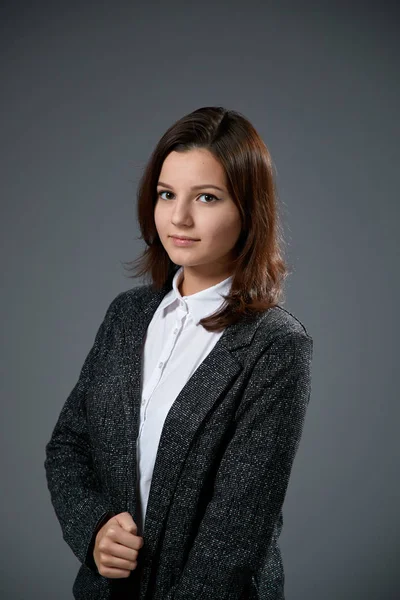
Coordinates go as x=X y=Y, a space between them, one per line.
x=195 y=187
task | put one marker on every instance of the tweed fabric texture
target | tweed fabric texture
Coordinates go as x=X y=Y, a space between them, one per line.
x=214 y=512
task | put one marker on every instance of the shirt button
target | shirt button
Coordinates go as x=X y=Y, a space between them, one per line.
x=175 y=330
x=160 y=364
x=144 y=401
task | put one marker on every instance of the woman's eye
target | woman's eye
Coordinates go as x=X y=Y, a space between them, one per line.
x=210 y=196
x=163 y=192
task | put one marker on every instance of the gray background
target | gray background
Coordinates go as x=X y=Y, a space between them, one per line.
x=87 y=90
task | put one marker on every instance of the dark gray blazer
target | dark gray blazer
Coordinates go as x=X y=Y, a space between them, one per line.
x=222 y=468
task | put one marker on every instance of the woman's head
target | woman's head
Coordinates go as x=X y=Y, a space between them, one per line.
x=240 y=231
x=193 y=201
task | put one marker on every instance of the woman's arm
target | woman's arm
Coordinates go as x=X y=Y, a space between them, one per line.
x=75 y=492
x=235 y=534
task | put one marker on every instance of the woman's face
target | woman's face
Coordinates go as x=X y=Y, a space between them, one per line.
x=189 y=205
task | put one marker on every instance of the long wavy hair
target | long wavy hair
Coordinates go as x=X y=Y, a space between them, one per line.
x=259 y=269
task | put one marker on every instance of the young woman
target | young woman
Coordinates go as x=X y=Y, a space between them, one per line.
x=169 y=463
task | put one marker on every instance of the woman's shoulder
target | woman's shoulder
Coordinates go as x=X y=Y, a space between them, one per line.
x=135 y=293
x=282 y=334
x=133 y=300
x=291 y=322
x=279 y=322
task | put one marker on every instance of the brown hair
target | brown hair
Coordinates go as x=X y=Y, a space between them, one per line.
x=259 y=267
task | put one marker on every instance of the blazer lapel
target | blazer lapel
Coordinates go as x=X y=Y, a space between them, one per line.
x=189 y=409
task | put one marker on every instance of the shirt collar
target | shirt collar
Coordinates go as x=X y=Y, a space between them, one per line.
x=201 y=304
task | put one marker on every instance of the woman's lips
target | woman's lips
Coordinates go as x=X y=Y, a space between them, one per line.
x=182 y=242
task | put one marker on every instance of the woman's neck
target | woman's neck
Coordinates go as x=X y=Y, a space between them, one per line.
x=192 y=282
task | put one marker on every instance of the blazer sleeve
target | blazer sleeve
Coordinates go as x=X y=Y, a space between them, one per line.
x=74 y=489
x=235 y=533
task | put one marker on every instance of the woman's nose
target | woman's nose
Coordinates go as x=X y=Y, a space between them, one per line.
x=181 y=214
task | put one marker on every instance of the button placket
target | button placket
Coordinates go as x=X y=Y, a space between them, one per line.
x=157 y=374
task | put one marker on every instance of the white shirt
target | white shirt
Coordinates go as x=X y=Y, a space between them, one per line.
x=175 y=345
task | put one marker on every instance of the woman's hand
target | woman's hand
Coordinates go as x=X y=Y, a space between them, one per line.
x=117 y=546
